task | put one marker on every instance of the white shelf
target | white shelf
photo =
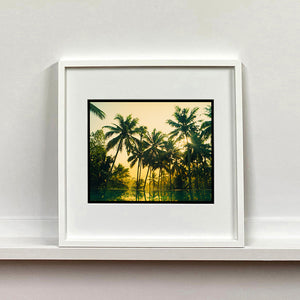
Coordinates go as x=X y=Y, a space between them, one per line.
x=47 y=249
x=36 y=239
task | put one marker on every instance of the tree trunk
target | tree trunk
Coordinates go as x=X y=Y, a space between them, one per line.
x=150 y=178
x=170 y=173
x=197 y=175
x=110 y=171
x=137 y=176
x=159 y=179
x=146 y=178
x=140 y=171
x=189 y=164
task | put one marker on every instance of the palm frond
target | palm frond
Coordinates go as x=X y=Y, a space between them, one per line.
x=97 y=111
x=175 y=133
x=113 y=142
x=173 y=123
x=109 y=127
x=110 y=133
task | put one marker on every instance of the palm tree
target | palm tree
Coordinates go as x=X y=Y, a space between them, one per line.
x=161 y=163
x=200 y=153
x=120 y=177
x=136 y=156
x=153 y=180
x=185 y=125
x=153 y=145
x=123 y=133
x=97 y=111
x=142 y=131
x=172 y=154
x=199 y=148
x=206 y=126
x=179 y=171
x=148 y=160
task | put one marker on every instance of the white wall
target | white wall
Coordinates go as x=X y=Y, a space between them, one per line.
x=263 y=34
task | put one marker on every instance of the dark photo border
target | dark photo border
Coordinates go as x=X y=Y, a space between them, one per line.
x=149 y=100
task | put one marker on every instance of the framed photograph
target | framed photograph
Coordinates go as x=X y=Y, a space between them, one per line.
x=150 y=154
x=150 y=151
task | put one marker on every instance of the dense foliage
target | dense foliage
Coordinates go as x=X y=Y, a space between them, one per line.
x=100 y=165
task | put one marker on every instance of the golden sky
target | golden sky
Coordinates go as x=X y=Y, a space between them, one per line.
x=150 y=114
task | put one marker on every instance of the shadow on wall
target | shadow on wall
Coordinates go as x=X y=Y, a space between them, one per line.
x=248 y=152
x=50 y=150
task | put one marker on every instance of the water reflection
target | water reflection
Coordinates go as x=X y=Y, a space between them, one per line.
x=153 y=196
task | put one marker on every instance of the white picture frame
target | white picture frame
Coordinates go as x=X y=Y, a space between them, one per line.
x=72 y=232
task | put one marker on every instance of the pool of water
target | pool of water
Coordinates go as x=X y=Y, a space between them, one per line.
x=183 y=196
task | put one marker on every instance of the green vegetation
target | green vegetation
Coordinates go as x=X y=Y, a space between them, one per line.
x=177 y=166
x=98 y=112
